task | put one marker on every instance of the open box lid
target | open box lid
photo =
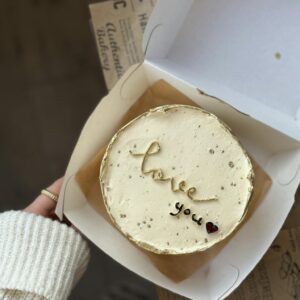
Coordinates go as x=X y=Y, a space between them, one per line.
x=244 y=52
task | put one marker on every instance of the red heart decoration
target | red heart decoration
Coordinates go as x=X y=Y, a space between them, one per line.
x=211 y=227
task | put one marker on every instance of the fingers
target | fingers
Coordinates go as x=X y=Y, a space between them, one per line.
x=43 y=205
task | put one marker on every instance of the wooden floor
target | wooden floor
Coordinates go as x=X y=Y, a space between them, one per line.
x=50 y=81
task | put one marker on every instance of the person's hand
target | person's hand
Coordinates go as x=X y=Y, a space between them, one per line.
x=43 y=205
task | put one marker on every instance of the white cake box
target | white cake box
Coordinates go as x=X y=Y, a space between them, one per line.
x=245 y=53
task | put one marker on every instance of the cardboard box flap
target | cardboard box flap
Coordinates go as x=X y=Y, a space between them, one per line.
x=271 y=149
x=245 y=53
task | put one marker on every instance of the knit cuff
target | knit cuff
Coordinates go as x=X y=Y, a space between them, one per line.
x=39 y=256
x=19 y=295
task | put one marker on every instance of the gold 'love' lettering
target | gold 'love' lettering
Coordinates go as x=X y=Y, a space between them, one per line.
x=158 y=174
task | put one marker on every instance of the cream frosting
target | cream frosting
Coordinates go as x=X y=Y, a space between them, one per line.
x=142 y=169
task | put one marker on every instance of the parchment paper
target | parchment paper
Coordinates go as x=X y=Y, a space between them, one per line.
x=119 y=28
x=178 y=267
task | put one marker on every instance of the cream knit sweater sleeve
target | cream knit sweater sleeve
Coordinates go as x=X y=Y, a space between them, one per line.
x=39 y=258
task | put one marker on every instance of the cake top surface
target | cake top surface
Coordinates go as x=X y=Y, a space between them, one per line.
x=175 y=180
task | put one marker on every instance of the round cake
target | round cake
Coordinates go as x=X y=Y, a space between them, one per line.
x=175 y=180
